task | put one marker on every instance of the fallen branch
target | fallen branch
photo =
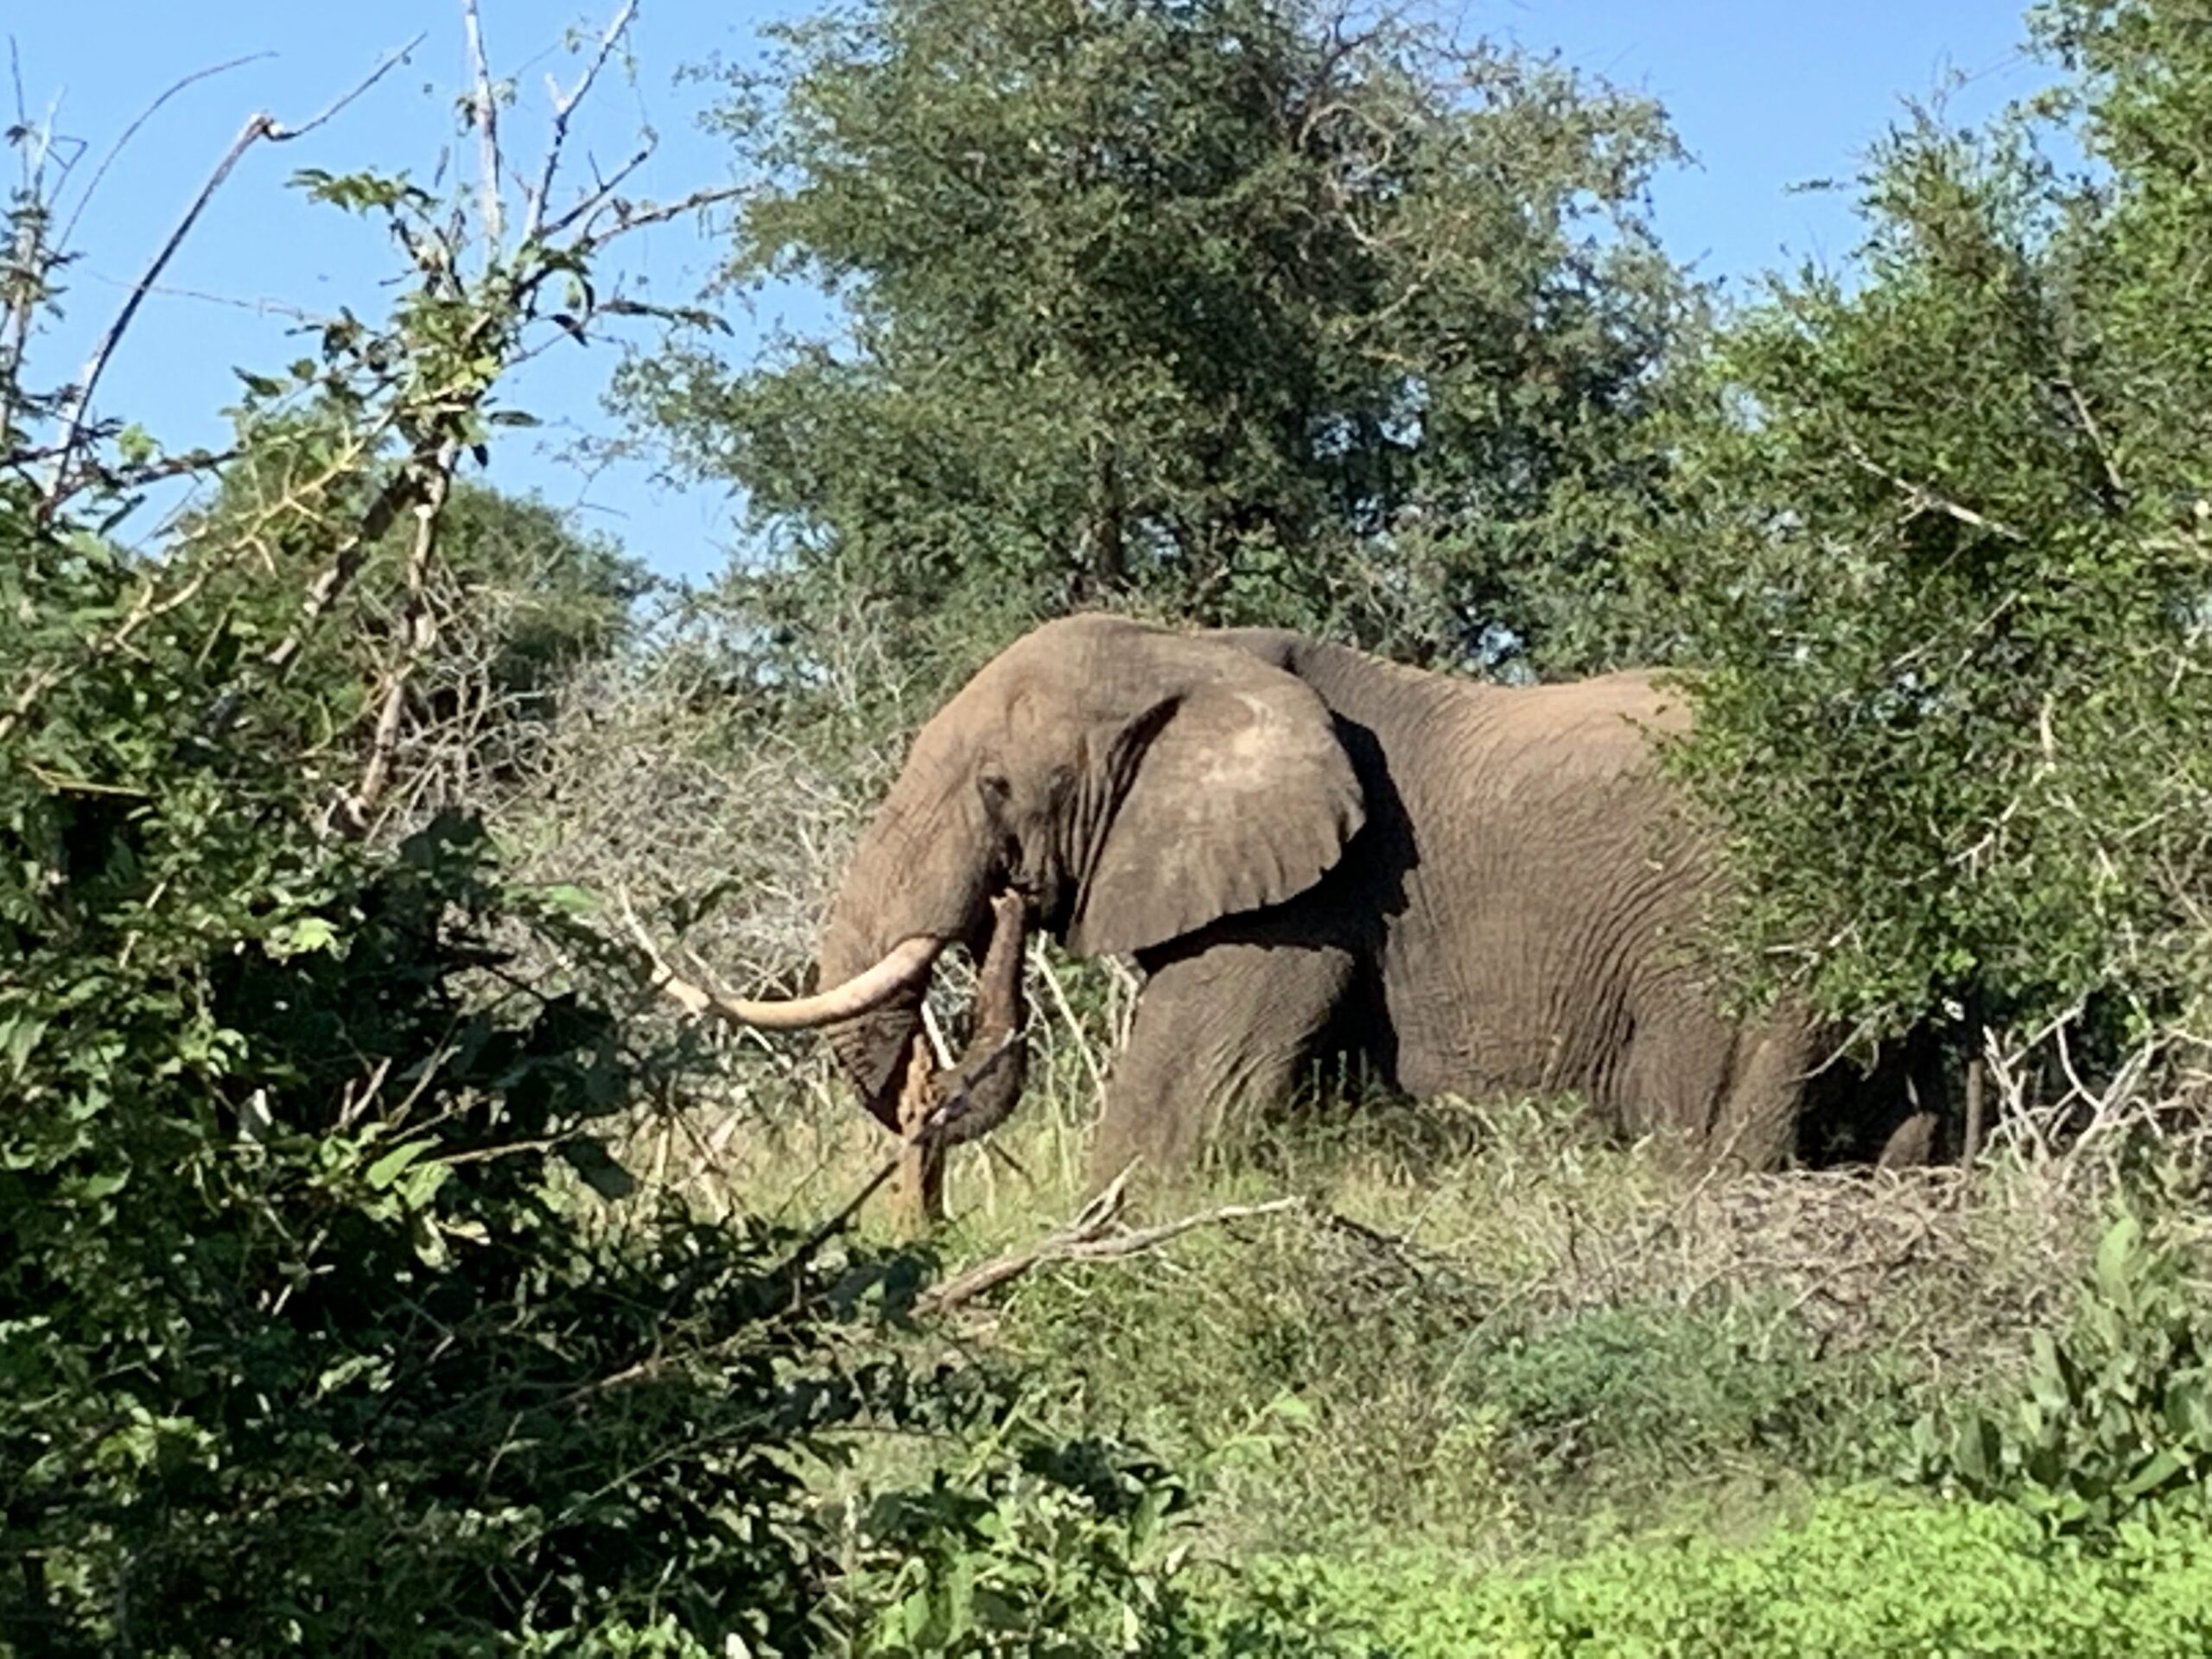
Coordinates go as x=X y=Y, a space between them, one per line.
x=1094 y=1234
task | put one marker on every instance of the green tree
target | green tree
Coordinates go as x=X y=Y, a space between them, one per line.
x=1945 y=547
x=1241 y=310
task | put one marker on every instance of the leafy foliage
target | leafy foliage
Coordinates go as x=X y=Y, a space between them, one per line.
x=1248 y=311
x=1863 y=1573
x=2116 y=1417
x=1943 y=552
x=323 y=1327
x=523 y=598
x=1044 y=1547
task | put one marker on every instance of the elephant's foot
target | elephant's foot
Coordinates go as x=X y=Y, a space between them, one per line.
x=1910 y=1145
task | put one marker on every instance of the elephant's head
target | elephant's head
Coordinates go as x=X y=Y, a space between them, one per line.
x=1132 y=783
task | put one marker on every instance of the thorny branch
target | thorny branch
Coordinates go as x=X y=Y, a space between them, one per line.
x=260 y=127
x=564 y=105
x=147 y=607
x=1924 y=499
x=435 y=426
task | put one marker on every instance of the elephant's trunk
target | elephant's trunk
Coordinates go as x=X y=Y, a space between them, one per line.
x=985 y=1085
x=903 y=883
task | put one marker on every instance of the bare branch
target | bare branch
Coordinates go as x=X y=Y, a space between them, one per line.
x=487 y=133
x=1090 y=1062
x=281 y=134
x=73 y=421
x=261 y=126
x=1924 y=499
x=1094 y=1234
x=2116 y=486
x=92 y=185
x=564 y=105
x=418 y=629
x=630 y=217
x=601 y=191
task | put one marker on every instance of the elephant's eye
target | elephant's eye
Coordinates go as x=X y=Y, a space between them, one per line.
x=996 y=790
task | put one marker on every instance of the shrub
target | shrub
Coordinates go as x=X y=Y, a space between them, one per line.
x=325 y=1325
x=1638 y=1395
x=2116 y=1414
x=1345 y=1383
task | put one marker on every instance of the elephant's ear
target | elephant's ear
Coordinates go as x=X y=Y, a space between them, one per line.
x=1240 y=797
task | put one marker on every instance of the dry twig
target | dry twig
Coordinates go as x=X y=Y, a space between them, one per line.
x=261 y=126
x=1924 y=499
x=1094 y=1233
x=564 y=105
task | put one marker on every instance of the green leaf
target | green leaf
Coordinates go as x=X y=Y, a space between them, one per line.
x=388 y=1169
x=2117 y=1252
x=2161 y=1467
x=577 y=901
x=19 y=1035
x=300 y=937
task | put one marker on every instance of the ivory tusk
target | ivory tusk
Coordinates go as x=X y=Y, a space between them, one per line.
x=865 y=991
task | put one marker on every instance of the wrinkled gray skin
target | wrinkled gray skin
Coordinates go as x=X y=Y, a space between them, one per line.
x=1308 y=850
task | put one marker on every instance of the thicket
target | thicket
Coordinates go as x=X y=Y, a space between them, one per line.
x=1941 y=538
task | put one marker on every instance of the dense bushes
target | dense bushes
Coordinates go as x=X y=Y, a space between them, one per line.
x=2115 y=1416
x=324 y=1326
x=1939 y=547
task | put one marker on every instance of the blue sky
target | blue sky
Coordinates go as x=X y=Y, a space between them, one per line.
x=1767 y=94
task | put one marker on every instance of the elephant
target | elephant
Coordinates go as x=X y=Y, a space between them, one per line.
x=1310 y=851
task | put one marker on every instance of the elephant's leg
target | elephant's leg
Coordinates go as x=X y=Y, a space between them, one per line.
x=1885 y=1111
x=1725 y=1096
x=1912 y=1144
x=1756 y=1125
x=1222 y=1027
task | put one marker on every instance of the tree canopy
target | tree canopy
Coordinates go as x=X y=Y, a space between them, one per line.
x=1238 y=310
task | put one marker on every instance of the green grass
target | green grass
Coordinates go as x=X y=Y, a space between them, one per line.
x=1487 y=1333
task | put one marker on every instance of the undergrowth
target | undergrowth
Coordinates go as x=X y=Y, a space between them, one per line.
x=1521 y=1349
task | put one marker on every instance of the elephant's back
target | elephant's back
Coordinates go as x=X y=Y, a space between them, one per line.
x=1608 y=719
